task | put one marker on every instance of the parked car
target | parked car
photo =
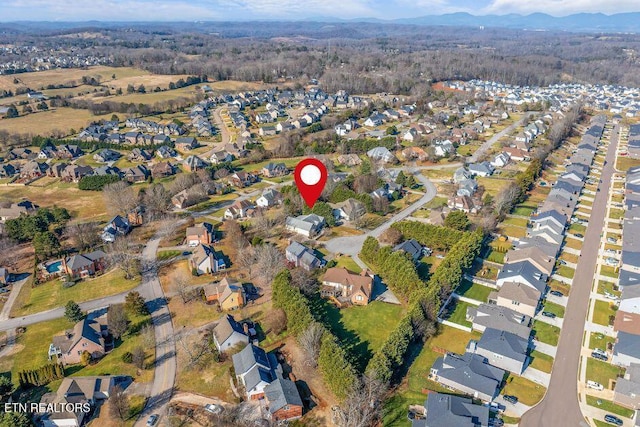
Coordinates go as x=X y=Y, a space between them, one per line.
x=609 y=295
x=510 y=398
x=612 y=240
x=153 y=420
x=579 y=236
x=594 y=385
x=562 y=262
x=549 y=314
x=212 y=408
x=599 y=356
x=613 y=419
x=556 y=293
x=600 y=351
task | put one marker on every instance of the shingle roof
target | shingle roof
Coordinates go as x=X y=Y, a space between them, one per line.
x=494 y=316
x=470 y=370
x=280 y=393
x=226 y=327
x=504 y=343
x=627 y=344
x=249 y=356
x=454 y=411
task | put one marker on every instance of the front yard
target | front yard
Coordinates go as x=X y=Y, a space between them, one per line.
x=601 y=341
x=603 y=312
x=527 y=391
x=51 y=294
x=540 y=361
x=554 y=308
x=546 y=333
x=602 y=372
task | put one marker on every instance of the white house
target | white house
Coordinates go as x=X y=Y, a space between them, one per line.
x=269 y=198
x=306 y=225
x=501 y=160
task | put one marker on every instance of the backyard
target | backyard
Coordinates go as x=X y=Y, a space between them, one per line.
x=474 y=291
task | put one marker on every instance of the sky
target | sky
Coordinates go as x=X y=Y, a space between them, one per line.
x=202 y=10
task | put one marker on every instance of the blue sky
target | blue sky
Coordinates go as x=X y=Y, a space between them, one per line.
x=188 y=10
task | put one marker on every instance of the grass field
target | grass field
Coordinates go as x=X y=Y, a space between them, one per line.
x=493 y=185
x=602 y=372
x=624 y=163
x=523 y=210
x=542 y=362
x=38 y=79
x=604 y=286
x=519 y=222
x=556 y=309
x=348 y=263
x=150 y=98
x=573 y=243
x=51 y=294
x=602 y=312
x=546 y=333
x=527 y=391
x=601 y=341
x=608 y=271
x=474 y=291
x=512 y=230
x=45 y=122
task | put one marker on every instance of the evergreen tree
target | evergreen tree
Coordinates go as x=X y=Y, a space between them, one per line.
x=73 y=312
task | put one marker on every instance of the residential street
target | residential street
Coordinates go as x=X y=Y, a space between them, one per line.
x=224 y=132
x=15 y=291
x=560 y=405
x=489 y=143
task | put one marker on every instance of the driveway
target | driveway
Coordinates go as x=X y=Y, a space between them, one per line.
x=15 y=291
x=560 y=405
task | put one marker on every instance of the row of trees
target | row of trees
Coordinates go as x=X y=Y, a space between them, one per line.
x=433 y=236
x=40 y=376
x=320 y=345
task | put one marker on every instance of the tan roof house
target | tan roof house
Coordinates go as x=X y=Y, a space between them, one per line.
x=345 y=286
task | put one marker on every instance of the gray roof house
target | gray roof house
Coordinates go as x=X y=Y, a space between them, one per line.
x=469 y=374
x=228 y=333
x=460 y=175
x=481 y=169
x=550 y=249
x=627 y=390
x=626 y=350
x=351 y=209
x=502 y=349
x=283 y=399
x=523 y=272
x=255 y=369
x=492 y=316
x=411 y=247
x=454 y=411
x=305 y=225
x=301 y=256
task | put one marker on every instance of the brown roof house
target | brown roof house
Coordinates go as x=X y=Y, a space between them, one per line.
x=346 y=286
x=518 y=297
x=534 y=255
x=162 y=169
x=87 y=335
x=200 y=234
x=205 y=260
x=83 y=265
x=239 y=209
x=82 y=393
x=627 y=390
x=194 y=164
x=228 y=293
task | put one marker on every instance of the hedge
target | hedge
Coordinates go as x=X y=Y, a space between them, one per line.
x=96 y=182
x=433 y=236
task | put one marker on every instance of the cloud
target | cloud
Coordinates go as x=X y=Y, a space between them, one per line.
x=561 y=7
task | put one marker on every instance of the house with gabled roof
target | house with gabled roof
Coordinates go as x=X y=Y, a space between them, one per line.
x=411 y=247
x=270 y=197
x=229 y=333
x=33 y=169
x=117 y=226
x=301 y=256
x=349 y=210
x=205 y=260
x=627 y=389
x=493 y=316
x=306 y=225
x=502 y=349
x=523 y=272
x=239 y=209
x=271 y=170
x=453 y=411
x=536 y=256
x=346 y=286
x=468 y=373
x=83 y=265
x=194 y=163
x=626 y=349
x=518 y=297
x=283 y=399
x=228 y=293
x=199 y=234
x=255 y=369
x=482 y=169
x=87 y=335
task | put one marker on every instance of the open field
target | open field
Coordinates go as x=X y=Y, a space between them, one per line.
x=51 y=294
x=153 y=97
x=62 y=119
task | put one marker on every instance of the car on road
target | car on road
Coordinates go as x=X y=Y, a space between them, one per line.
x=594 y=385
x=612 y=419
x=213 y=408
x=549 y=314
x=510 y=398
x=599 y=356
x=153 y=420
x=556 y=293
x=579 y=236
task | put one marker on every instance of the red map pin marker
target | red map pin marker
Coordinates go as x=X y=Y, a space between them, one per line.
x=310 y=176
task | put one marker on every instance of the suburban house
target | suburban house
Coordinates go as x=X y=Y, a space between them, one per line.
x=165 y=152
x=242 y=179
x=117 y=226
x=306 y=225
x=626 y=349
x=239 y=209
x=136 y=174
x=283 y=399
x=228 y=333
x=186 y=143
x=467 y=187
x=349 y=210
x=460 y=175
x=301 y=256
x=502 y=349
x=194 y=164
x=464 y=203
x=481 y=169
x=140 y=155
x=627 y=322
x=73 y=173
x=269 y=198
x=534 y=255
x=72 y=391
x=523 y=272
x=518 y=297
x=87 y=335
x=217 y=157
x=349 y=159
x=500 y=160
x=255 y=369
x=78 y=266
x=182 y=200
x=453 y=411
x=16 y=210
x=162 y=169
x=411 y=247
x=200 y=234
x=381 y=154
x=272 y=170
x=496 y=317
x=227 y=293
x=469 y=374
x=106 y=155
x=33 y=169
x=346 y=286
x=627 y=390
x=205 y=260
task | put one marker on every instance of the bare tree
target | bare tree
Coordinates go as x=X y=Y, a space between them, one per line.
x=118 y=403
x=391 y=236
x=157 y=201
x=363 y=406
x=119 y=197
x=269 y=261
x=310 y=341
x=181 y=286
x=9 y=254
x=265 y=224
x=123 y=256
x=167 y=227
x=183 y=181
x=117 y=320
x=305 y=280
x=198 y=352
x=505 y=199
x=138 y=357
x=276 y=322
x=83 y=235
x=204 y=176
x=147 y=336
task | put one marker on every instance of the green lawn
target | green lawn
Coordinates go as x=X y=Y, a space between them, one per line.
x=436 y=202
x=372 y=322
x=496 y=256
x=554 y=308
x=615 y=213
x=523 y=210
x=565 y=271
x=608 y=287
x=577 y=228
x=474 y=291
x=602 y=312
x=348 y=263
x=569 y=257
x=573 y=243
x=541 y=361
x=519 y=222
x=512 y=230
x=557 y=285
x=51 y=294
x=602 y=372
x=607 y=270
x=601 y=341
x=527 y=391
x=164 y=255
x=609 y=406
x=546 y=333
x=458 y=312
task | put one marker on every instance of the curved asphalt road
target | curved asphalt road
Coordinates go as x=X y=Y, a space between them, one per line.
x=560 y=405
